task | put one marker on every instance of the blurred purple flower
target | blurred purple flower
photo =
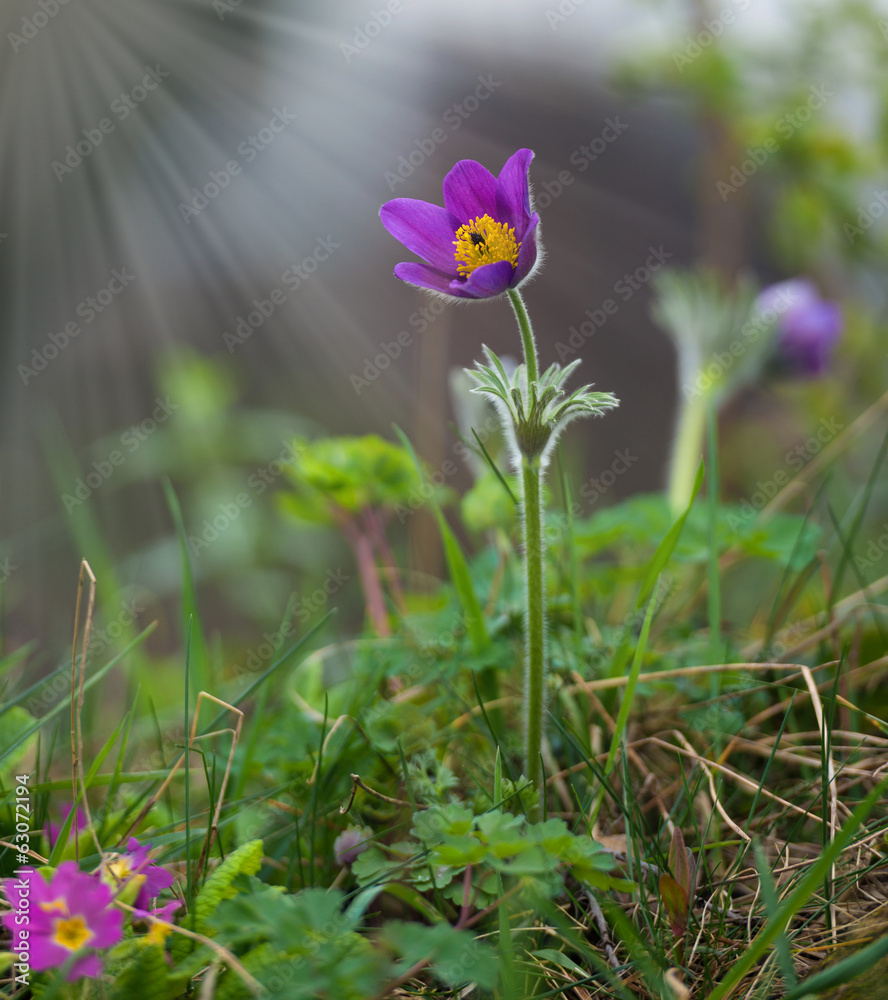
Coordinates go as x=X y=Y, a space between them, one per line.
x=162 y=924
x=482 y=243
x=350 y=843
x=807 y=326
x=71 y=912
x=78 y=825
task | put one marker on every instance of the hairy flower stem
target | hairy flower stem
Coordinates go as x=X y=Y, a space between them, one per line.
x=535 y=624
x=527 y=341
x=535 y=596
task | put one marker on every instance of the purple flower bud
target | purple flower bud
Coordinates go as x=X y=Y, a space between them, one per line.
x=350 y=843
x=807 y=326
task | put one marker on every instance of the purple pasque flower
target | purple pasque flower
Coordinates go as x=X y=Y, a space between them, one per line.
x=136 y=869
x=807 y=326
x=72 y=911
x=482 y=243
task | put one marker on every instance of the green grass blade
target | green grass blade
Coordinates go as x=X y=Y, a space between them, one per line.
x=629 y=691
x=842 y=972
x=66 y=703
x=772 y=905
x=190 y=615
x=457 y=565
x=658 y=563
x=664 y=550
x=856 y=523
x=807 y=884
x=88 y=778
x=495 y=468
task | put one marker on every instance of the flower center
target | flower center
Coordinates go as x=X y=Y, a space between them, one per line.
x=120 y=869
x=55 y=906
x=484 y=241
x=72 y=933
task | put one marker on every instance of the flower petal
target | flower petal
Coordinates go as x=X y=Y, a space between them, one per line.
x=89 y=966
x=470 y=191
x=428 y=230
x=107 y=926
x=529 y=252
x=513 y=192
x=485 y=282
x=424 y=276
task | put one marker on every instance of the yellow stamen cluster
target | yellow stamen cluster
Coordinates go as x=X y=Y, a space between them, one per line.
x=71 y=933
x=120 y=869
x=158 y=932
x=484 y=241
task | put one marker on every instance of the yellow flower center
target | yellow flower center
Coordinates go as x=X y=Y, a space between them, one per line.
x=55 y=906
x=72 y=933
x=120 y=869
x=483 y=241
x=158 y=932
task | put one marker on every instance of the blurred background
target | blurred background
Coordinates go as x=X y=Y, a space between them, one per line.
x=193 y=270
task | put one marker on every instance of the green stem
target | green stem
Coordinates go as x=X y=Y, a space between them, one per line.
x=527 y=341
x=686 y=450
x=535 y=665
x=535 y=594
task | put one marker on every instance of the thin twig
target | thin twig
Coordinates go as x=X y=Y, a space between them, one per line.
x=357 y=783
x=253 y=985
x=77 y=690
x=603 y=929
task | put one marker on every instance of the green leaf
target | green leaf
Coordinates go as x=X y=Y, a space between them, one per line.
x=456 y=956
x=433 y=824
x=457 y=567
x=18 y=728
x=245 y=860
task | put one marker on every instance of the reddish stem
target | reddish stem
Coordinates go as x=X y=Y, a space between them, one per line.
x=368 y=573
x=374 y=522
